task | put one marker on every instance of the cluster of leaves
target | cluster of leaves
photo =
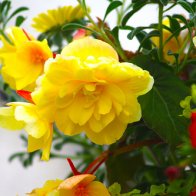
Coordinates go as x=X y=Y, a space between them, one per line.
x=8 y=14
x=174 y=188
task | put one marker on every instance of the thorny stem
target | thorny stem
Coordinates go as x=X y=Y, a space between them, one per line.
x=160 y=31
x=103 y=34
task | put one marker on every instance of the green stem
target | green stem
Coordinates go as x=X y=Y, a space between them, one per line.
x=186 y=57
x=161 y=32
x=120 y=13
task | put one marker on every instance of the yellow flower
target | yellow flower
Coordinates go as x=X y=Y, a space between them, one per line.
x=23 y=61
x=57 y=17
x=49 y=189
x=80 y=185
x=27 y=116
x=88 y=89
x=173 y=45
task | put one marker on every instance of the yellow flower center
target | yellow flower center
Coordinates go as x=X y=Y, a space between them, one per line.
x=92 y=89
x=81 y=191
x=38 y=57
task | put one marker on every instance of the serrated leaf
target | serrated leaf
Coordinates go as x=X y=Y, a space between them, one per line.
x=113 y=5
x=160 y=107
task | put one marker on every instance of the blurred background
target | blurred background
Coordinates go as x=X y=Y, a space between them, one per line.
x=15 y=179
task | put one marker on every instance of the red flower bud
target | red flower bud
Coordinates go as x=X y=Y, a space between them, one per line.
x=172 y=172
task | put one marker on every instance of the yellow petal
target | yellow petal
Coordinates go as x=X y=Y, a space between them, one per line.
x=116 y=94
x=109 y=134
x=104 y=104
x=97 y=125
x=132 y=111
x=34 y=143
x=8 y=120
x=37 y=129
x=47 y=146
x=26 y=113
x=48 y=189
x=96 y=189
x=139 y=81
x=55 y=17
x=77 y=108
x=43 y=143
x=96 y=48
x=65 y=125
x=74 y=181
x=17 y=35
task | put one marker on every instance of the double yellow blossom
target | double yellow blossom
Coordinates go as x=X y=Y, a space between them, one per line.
x=80 y=185
x=23 y=59
x=57 y=17
x=86 y=88
x=27 y=116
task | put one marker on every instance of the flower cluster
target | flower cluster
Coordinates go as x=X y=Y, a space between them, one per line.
x=83 y=89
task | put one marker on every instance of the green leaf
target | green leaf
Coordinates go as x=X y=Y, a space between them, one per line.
x=174 y=24
x=137 y=6
x=17 y=11
x=160 y=107
x=19 y=20
x=122 y=168
x=115 y=189
x=113 y=5
x=138 y=30
x=146 y=42
x=186 y=5
x=5 y=7
x=72 y=26
x=154 y=189
x=184 y=20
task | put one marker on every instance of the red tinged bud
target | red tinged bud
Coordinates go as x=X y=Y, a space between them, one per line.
x=172 y=172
